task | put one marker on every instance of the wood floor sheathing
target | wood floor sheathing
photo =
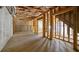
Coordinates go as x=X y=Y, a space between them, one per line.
x=29 y=42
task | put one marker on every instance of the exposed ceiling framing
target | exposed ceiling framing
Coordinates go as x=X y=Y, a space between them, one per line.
x=31 y=11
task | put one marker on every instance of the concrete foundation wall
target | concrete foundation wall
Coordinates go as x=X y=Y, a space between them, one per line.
x=6 y=26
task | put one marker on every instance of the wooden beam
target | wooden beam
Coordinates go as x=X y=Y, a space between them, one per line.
x=41 y=15
x=45 y=12
x=63 y=11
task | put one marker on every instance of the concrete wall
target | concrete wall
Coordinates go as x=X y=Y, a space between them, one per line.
x=6 y=26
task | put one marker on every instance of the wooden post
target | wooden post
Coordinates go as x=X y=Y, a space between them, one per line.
x=75 y=29
x=63 y=27
x=68 y=28
x=68 y=32
x=59 y=24
x=47 y=25
x=59 y=27
x=14 y=25
x=51 y=25
x=46 y=28
x=55 y=27
x=43 y=25
x=35 y=26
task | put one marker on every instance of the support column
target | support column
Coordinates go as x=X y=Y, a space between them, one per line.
x=47 y=25
x=63 y=27
x=51 y=25
x=35 y=26
x=68 y=28
x=59 y=27
x=75 y=29
x=14 y=24
x=68 y=32
x=43 y=25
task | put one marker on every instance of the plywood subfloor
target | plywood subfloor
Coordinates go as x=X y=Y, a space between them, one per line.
x=23 y=42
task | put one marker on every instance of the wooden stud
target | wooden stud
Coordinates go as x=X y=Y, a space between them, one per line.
x=55 y=26
x=68 y=32
x=63 y=27
x=51 y=25
x=59 y=27
x=46 y=28
x=68 y=29
x=43 y=25
x=14 y=24
x=47 y=25
x=75 y=29
x=35 y=26
x=59 y=24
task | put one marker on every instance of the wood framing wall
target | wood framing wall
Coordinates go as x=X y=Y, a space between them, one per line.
x=69 y=17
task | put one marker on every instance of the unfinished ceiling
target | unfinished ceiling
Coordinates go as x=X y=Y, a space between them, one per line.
x=31 y=11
